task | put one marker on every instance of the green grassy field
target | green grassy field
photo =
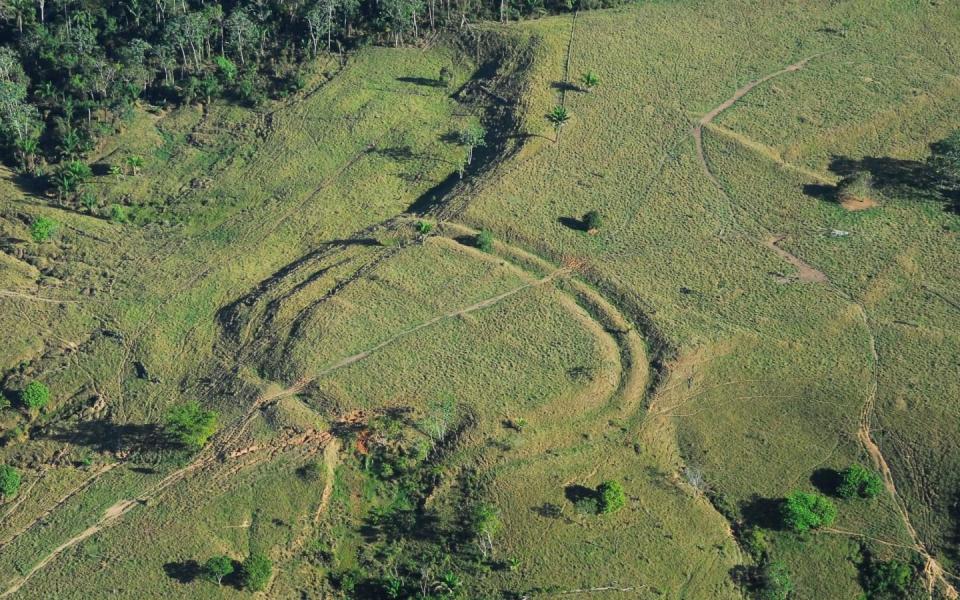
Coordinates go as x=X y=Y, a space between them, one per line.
x=271 y=269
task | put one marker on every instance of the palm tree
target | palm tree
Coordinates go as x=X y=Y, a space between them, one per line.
x=558 y=117
x=135 y=163
x=590 y=80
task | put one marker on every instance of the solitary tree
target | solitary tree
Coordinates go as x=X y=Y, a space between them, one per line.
x=134 y=163
x=859 y=481
x=217 y=568
x=473 y=136
x=257 y=569
x=610 y=497
x=593 y=220
x=446 y=75
x=35 y=396
x=558 y=117
x=802 y=511
x=191 y=424
x=484 y=240
x=42 y=228
x=485 y=523
x=856 y=187
x=9 y=481
x=590 y=80
x=944 y=160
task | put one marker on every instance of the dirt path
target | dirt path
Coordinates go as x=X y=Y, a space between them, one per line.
x=737 y=95
x=331 y=456
x=14 y=294
x=932 y=570
x=805 y=272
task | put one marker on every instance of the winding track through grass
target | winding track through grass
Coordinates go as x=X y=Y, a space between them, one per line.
x=934 y=573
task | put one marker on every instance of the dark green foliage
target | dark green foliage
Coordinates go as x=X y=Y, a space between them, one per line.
x=774 y=582
x=590 y=80
x=42 y=228
x=9 y=481
x=610 y=497
x=35 y=396
x=558 y=117
x=754 y=541
x=446 y=75
x=310 y=471
x=484 y=240
x=257 y=570
x=944 y=160
x=218 y=567
x=803 y=511
x=424 y=227
x=593 y=220
x=859 y=481
x=191 y=425
x=889 y=580
x=118 y=214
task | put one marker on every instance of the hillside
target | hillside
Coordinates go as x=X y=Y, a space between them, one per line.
x=430 y=370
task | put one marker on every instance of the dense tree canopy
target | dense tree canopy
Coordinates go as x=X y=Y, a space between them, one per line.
x=70 y=72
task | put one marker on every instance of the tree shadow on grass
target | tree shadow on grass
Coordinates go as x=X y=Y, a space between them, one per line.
x=763 y=512
x=565 y=86
x=573 y=223
x=576 y=492
x=424 y=81
x=827 y=481
x=185 y=571
x=105 y=436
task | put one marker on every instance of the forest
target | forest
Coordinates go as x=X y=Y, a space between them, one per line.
x=70 y=71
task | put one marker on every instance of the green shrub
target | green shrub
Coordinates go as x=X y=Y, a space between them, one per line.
x=859 y=481
x=856 y=187
x=424 y=227
x=484 y=240
x=35 y=396
x=610 y=497
x=754 y=541
x=257 y=570
x=887 y=580
x=191 y=425
x=9 y=481
x=118 y=214
x=42 y=228
x=775 y=582
x=803 y=511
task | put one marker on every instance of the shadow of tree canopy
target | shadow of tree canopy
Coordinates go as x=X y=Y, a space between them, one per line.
x=763 y=512
x=827 y=481
x=895 y=176
x=105 y=436
x=424 y=81
x=184 y=571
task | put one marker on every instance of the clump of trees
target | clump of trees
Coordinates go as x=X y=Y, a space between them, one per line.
x=803 y=511
x=191 y=425
x=887 y=580
x=857 y=480
x=9 y=482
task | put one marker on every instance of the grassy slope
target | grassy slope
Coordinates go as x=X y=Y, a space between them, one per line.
x=771 y=377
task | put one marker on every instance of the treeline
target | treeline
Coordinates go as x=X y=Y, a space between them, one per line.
x=70 y=69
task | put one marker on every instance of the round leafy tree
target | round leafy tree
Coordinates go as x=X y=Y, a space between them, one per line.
x=191 y=424
x=610 y=497
x=35 y=396
x=9 y=481
x=257 y=570
x=217 y=568
x=859 y=481
x=42 y=228
x=803 y=511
